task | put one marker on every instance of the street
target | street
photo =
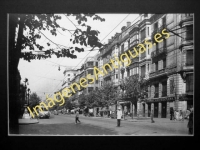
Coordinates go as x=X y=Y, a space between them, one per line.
x=65 y=125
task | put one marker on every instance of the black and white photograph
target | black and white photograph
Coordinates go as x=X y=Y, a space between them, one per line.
x=100 y=74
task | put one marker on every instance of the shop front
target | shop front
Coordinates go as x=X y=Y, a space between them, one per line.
x=160 y=106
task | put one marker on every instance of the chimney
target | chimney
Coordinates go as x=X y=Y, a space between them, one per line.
x=128 y=24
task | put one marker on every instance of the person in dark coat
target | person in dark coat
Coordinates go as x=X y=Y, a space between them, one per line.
x=171 y=113
x=190 y=122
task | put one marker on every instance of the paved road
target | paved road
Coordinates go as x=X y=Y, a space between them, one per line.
x=65 y=125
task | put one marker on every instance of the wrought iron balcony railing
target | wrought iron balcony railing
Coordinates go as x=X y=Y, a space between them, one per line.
x=158 y=52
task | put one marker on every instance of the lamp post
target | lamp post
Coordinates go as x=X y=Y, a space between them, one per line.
x=26 y=83
x=28 y=93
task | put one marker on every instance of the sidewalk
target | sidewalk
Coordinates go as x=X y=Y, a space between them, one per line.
x=146 y=119
x=28 y=121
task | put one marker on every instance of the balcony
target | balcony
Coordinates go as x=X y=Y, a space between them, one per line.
x=158 y=54
x=158 y=30
x=143 y=55
x=108 y=74
x=134 y=42
x=185 y=18
x=158 y=73
x=143 y=22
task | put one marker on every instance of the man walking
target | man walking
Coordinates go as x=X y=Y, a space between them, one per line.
x=77 y=117
x=152 y=114
x=171 y=113
x=119 y=116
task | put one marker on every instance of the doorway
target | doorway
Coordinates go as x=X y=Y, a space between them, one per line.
x=164 y=109
x=143 y=110
x=156 y=110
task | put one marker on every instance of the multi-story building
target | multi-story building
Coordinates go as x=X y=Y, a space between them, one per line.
x=168 y=65
x=69 y=74
x=171 y=73
x=83 y=72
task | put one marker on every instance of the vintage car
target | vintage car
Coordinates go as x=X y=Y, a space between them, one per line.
x=45 y=113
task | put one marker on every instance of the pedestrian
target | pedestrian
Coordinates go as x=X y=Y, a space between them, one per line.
x=171 y=113
x=119 y=116
x=181 y=115
x=175 y=115
x=77 y=117
x=152 y=115
x=190 y=122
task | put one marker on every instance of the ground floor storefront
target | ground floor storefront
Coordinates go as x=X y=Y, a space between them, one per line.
x=161 y=106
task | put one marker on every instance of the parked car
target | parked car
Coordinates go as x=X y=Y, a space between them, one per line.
x=45 y=113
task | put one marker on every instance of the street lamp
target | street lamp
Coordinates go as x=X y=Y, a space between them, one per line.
x=28 y=93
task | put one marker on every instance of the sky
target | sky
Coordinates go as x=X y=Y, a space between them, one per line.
x=43 y=75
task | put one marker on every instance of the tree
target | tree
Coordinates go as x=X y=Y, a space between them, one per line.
x=34 y=100
x=34 y=25
x=134 y=86
x=68 y=105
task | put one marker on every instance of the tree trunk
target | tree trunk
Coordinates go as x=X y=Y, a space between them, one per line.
x=14 y=76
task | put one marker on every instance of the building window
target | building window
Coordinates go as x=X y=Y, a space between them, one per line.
x=155 y=26
x=96 y=88
x=74 y=74
x=156 y=66
x=149 y=91
x=122 y=48
x=68 y=79
x=189 y=83
x=101 y=83
x=128 y=72
x=164 y=63
x=189 y=32
x=164 y=44
x=148 y=67
x=129 y=43
x=171 y=82
x=156 y=91
x=90 y=64
x=148 y=31
x=90 y=89
x=96 y=63
x=96 y=81
x=116 y=76
x=189 y=57
x=143 y=71
x=90 y=72
x=143 y=34
x=164 y=20
x=164 y=89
